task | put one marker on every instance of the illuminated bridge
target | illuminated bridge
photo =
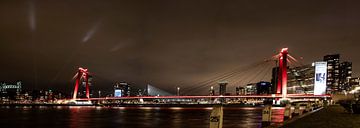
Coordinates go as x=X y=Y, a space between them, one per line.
x=202 y=97
x=238 y=76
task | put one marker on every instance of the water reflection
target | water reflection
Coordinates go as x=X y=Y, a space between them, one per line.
x=277 y=115
x=131 y=117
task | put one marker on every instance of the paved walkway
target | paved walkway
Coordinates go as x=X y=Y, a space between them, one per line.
x=331 y=117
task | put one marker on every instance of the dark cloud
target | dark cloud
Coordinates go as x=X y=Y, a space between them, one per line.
x=165 y=42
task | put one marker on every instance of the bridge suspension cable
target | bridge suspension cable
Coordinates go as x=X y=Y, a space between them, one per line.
x=231 y=76
x=220 y=76
x=259 y=76
x=213 y=80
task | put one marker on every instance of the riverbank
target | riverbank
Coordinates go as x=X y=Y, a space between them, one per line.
x=138 y=105
x=333 y=116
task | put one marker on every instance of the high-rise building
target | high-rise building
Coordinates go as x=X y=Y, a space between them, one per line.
x=240 y=91
x=126 y=88
x=333 y=72
x=222 y=89
x=117 y=90
x=251 y=89
x=10 y=91
x=301 y=79
x=121 y=89
x=345 y=75
x=263 y=87
x=274 y=79
x=11 y=87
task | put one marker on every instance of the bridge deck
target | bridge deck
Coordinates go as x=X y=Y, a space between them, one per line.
x=200 y=97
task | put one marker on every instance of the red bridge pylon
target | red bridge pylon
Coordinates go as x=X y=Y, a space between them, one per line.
x=282 y=73
x=81 y=74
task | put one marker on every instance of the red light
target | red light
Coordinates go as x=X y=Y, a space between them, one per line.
x=283 y=50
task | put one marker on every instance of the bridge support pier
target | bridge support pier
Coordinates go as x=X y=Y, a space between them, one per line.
x=308 y=107
x=216 y=117
x=297 y=110
x=266 y=116
x=287 y=112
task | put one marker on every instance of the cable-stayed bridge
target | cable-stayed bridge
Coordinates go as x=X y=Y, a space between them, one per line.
x=258 y=71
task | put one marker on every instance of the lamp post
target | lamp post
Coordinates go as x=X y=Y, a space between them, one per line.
x=178 y=91
x=212 y=92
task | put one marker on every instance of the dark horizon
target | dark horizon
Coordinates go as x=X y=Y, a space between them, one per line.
x=165 y=43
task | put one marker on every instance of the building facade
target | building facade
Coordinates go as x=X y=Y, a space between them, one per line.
x=354 y=84
x=345 y=75
x=222 y=89
x=240 y=91
x=333 y=72
x=263 y=87
x=122 y=89
x=10 y=91
x=251 y=89
x=301 y=80
x=338 y=74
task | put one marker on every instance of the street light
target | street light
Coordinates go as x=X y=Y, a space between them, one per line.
x=178 y=91
x=212 y=92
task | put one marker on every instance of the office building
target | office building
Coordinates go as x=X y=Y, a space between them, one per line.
x=263 y=87
x=222 y=89
x=333 y=72
x=240 y=91
x=10 y=91
x=345 y=75
x=122 y=89
x=301 y=80
x=251 y=89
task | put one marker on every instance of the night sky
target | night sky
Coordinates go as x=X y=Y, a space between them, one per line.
x=166 y=43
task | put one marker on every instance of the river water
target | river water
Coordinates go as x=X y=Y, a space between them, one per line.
x=130 y=117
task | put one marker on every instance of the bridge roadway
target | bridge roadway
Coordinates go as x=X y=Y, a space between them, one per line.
x=296 y=96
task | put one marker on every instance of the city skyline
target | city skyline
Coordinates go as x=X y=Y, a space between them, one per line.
x=165 y=43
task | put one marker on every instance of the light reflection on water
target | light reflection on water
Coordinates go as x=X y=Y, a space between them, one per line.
x=131 y=117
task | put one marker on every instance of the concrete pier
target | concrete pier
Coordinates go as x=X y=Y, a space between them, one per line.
x=297 y=110
x=216 y=117
x=266 y=115
x=287 y=112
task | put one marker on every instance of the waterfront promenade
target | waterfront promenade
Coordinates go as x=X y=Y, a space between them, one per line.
x=333 y=116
